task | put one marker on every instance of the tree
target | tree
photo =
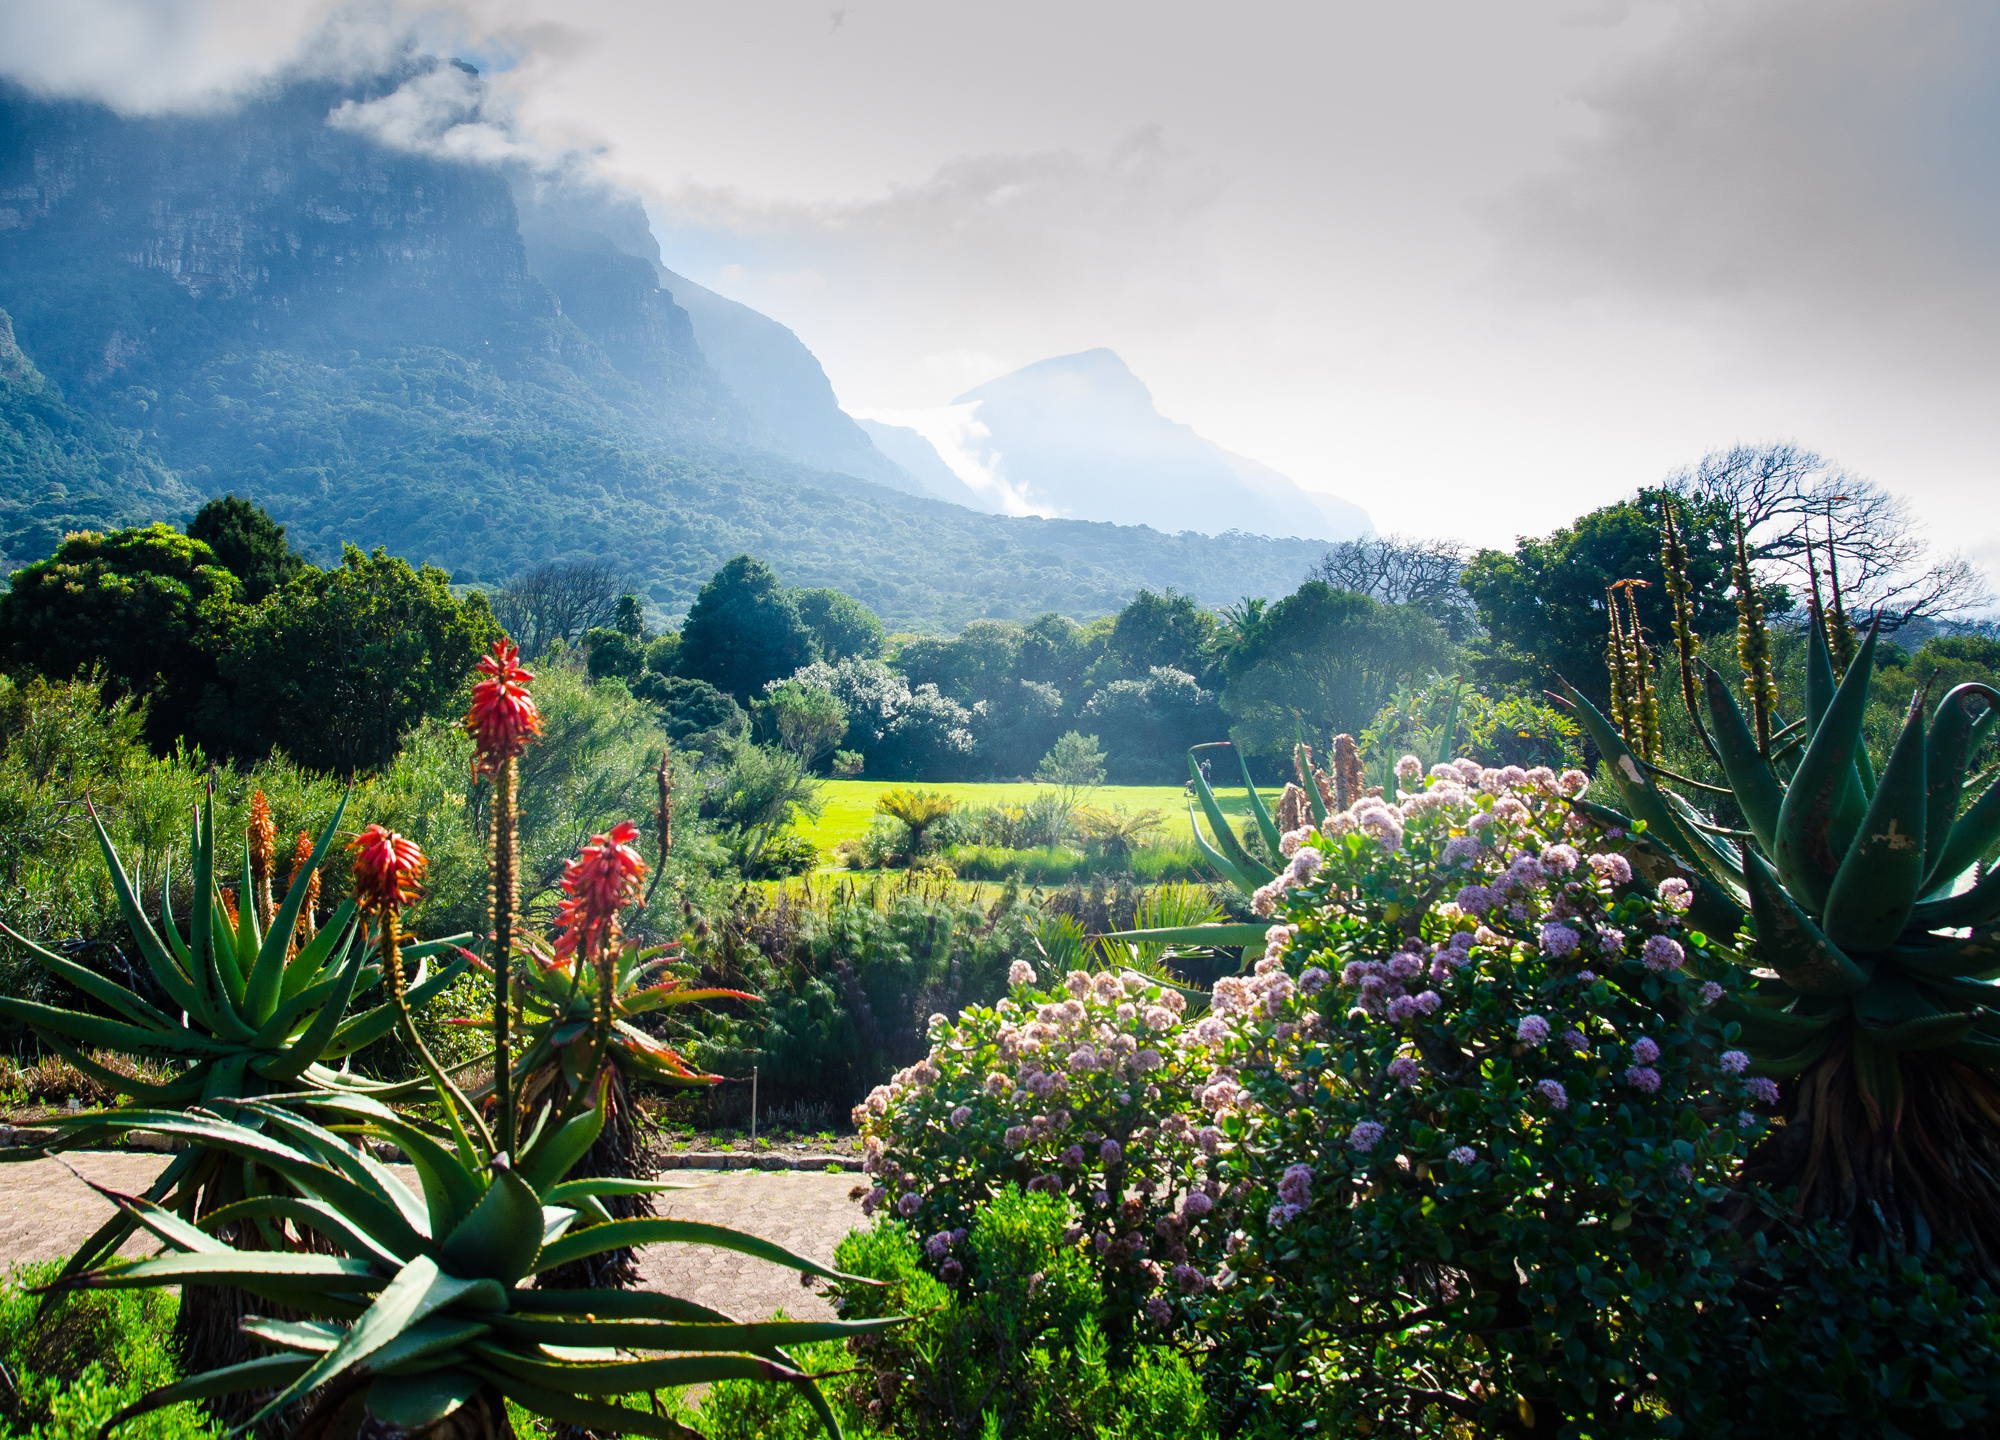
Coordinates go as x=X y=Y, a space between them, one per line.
x=841 y=625
x=147 y=608
x=902 y=733
x=1165 y=629
x=759 y=794
x=918 y=809
x=693 y=711
x=1152 y=723
x=1325 y=659
x=743 y=631
x=629 y=619
x=611 y=653
x=973 y=665
x=1543 y=605
x=809 y=721
x=247 y=543
x=556 y=602
x=1790 y=499
x=335 y=667
x=1075 y=761
x=1402 y=570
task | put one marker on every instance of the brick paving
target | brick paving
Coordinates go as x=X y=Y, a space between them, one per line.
x=46 y=1212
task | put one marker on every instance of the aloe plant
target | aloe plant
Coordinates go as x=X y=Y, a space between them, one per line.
x=260 y=1012
x=1874 y=928
x=425 y=1322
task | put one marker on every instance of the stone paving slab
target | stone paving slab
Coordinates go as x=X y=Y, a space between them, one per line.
x=46 y=1212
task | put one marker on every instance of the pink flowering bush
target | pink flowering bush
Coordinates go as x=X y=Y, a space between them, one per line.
x=1092 y=1091
x=1473 y=1115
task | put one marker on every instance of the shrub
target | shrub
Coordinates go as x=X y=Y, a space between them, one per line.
x=1037 y=865
x=1005 y=1340
x=1083 y=1091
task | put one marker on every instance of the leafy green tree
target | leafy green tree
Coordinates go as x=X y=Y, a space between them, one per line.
x=630 y=620
x=248 y=543
x=841 y=625
x=809 y=721
x=1330 y=658
x=612 y=654
x=693 y=711
x=1164 y=629
x=662 y=651
x=757 y=795
x=337 y=665
x=1543 y=604
x=1075 y=759
x=920 y=810
x=1057 y=651
x=743 y=631
x=148 y=608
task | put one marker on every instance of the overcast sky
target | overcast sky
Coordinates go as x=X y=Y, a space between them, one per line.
x=1474 y=266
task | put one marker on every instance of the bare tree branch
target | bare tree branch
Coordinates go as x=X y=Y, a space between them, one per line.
x=1395 y=569
x=557 y=602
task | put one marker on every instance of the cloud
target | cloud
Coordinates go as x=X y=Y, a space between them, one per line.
x=1815 y=176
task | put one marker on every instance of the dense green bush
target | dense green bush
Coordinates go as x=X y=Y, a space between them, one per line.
x=1005 y=1338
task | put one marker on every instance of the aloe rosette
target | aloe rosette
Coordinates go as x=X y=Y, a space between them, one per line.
x=260 y=1013
x=1874 y=929
x=427 y=1317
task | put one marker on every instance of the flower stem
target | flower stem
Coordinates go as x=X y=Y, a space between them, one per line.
x=506 y=889
x=450 y=1097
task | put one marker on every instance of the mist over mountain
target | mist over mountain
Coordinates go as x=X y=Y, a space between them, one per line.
x=1078 y=436
x=388 y=346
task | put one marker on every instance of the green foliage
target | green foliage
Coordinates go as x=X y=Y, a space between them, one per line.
x=918 y=810
x=338 y=665
x=808 y=721
x=248 y=544
x=743 y=631
x=1491 y=723
x=1543 y=604
x=756 y=796
x=694 y=712
x=151 y=608
x=1076 y=762
x=612 y=654
x=67 y=1372
x=1164 y=630
x=842 y=627
x=1009 y=1346
x=1325 y=659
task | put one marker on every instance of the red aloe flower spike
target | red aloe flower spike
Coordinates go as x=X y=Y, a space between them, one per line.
x=387 y=870
x=602 y=880
x=503 y=718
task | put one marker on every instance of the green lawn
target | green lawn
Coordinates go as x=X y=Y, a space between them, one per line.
x=851 y=803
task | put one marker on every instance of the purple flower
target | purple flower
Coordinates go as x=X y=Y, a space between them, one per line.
x=1403 y=1070
x=938 y=1246
x=1210 y=1140
x=1475 y=899
x=1662 y=953
x=1644 y=1078
x=1644 y=1050
x=1020 y=973
x=1364 y=1135
x=1404 y=965
x=1282 y=1215
x=1763 y=1089
x=1313 y=981
x=1710 y=993
x=950 y=1271
x=1614 y=869
x=1402 y=1008
x=1110 y=1152
x=1073 y=1156
x=959 y=1116
x=1463 y=1155
x=1409 y=768
x=1305 y=861
x=1676 y=895
x=1159 y=1311
x=1196 y=1205
x=1459 y=850
x=908 y=1205
x=1558 y=940
x=1050 y=1183
x=1610 y=939
x=1016 y=1136
x=1586 y=977
x=1188 y=1280
x=1735 y=1062
x=1573 y=1039
x=1561 y=859
x=1533 y=1030
x=1553 y=1092
x=1100 y=1197
x=1295 y=1187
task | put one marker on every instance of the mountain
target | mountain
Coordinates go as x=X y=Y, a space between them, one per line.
x=919 y=460
x=1078 y=436
x=293 y=303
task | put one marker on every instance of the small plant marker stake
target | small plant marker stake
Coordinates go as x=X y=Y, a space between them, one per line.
x=753 y=1104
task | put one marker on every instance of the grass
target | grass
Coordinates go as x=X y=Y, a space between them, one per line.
x=850 y=804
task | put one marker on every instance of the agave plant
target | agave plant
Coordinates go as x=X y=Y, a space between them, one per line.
x=260 y=1012
x=1872 y=926
x=426 y=1322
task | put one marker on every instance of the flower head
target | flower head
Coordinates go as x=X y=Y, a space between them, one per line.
x=1533 y=1030
x=1553 y=1092
x=387 y=870
x=602 y=880
x=1663 y=953
x=1020 y=973
x=1645 y=1050
x=1643 y=1077
x=1763 y=1089
x=1363 y=1137
x=1558 y=939
x=263 y=837
x=1463 y=1155
x=503 y=718
x=1676 y=894
x=1409 y=768
x=1735 y=1062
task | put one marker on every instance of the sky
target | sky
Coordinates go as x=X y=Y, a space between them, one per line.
x=1475 y=267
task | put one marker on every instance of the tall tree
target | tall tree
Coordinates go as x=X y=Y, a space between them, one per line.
x=248 y=543
x=1328 y=657
x=1164 y=629
x=150 y=609
x=743 y=631
x=842 y=626
x=557 y=602
x=1400 y=570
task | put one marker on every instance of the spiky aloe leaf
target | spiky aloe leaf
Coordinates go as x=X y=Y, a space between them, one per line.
x=1220 y=937
x=1977 y=954
x=1266 y=826
x=1789 y=942
x=1876 y=886
x=1971 y=837
x=1768 y=1029
x=1234 y=861
x=1823 y=804
x=1947 y=752
x=1712 y=908
x=1820 y=681
x=1758 y=792
x=621 y=1234
x=1979 y=905
x=499 y=1239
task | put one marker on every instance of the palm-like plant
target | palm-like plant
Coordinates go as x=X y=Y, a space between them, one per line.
x=1872 y=949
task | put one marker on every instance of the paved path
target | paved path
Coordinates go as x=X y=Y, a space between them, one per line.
x=45 y=1212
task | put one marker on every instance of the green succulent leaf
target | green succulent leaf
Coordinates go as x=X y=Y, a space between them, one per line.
x=1233 y=860
x=570 y=1409
x=1790 y=943
x=1877 y=884
x=1979 y=905
x=1976 y=954
x=500 y=1238
x=622 y=1233
x=1823 y=805
x=259 y=1374
x=1973 y=834
x=1758 y=791
x=1947 y=752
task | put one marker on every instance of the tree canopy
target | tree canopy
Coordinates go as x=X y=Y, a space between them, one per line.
x=841 y=626
x=743 y=631
x=248 y=543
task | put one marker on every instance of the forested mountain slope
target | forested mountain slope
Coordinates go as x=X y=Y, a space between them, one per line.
x=273 y=302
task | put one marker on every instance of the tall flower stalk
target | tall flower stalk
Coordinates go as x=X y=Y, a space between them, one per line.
x=502 y=721
x=1753 y=646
